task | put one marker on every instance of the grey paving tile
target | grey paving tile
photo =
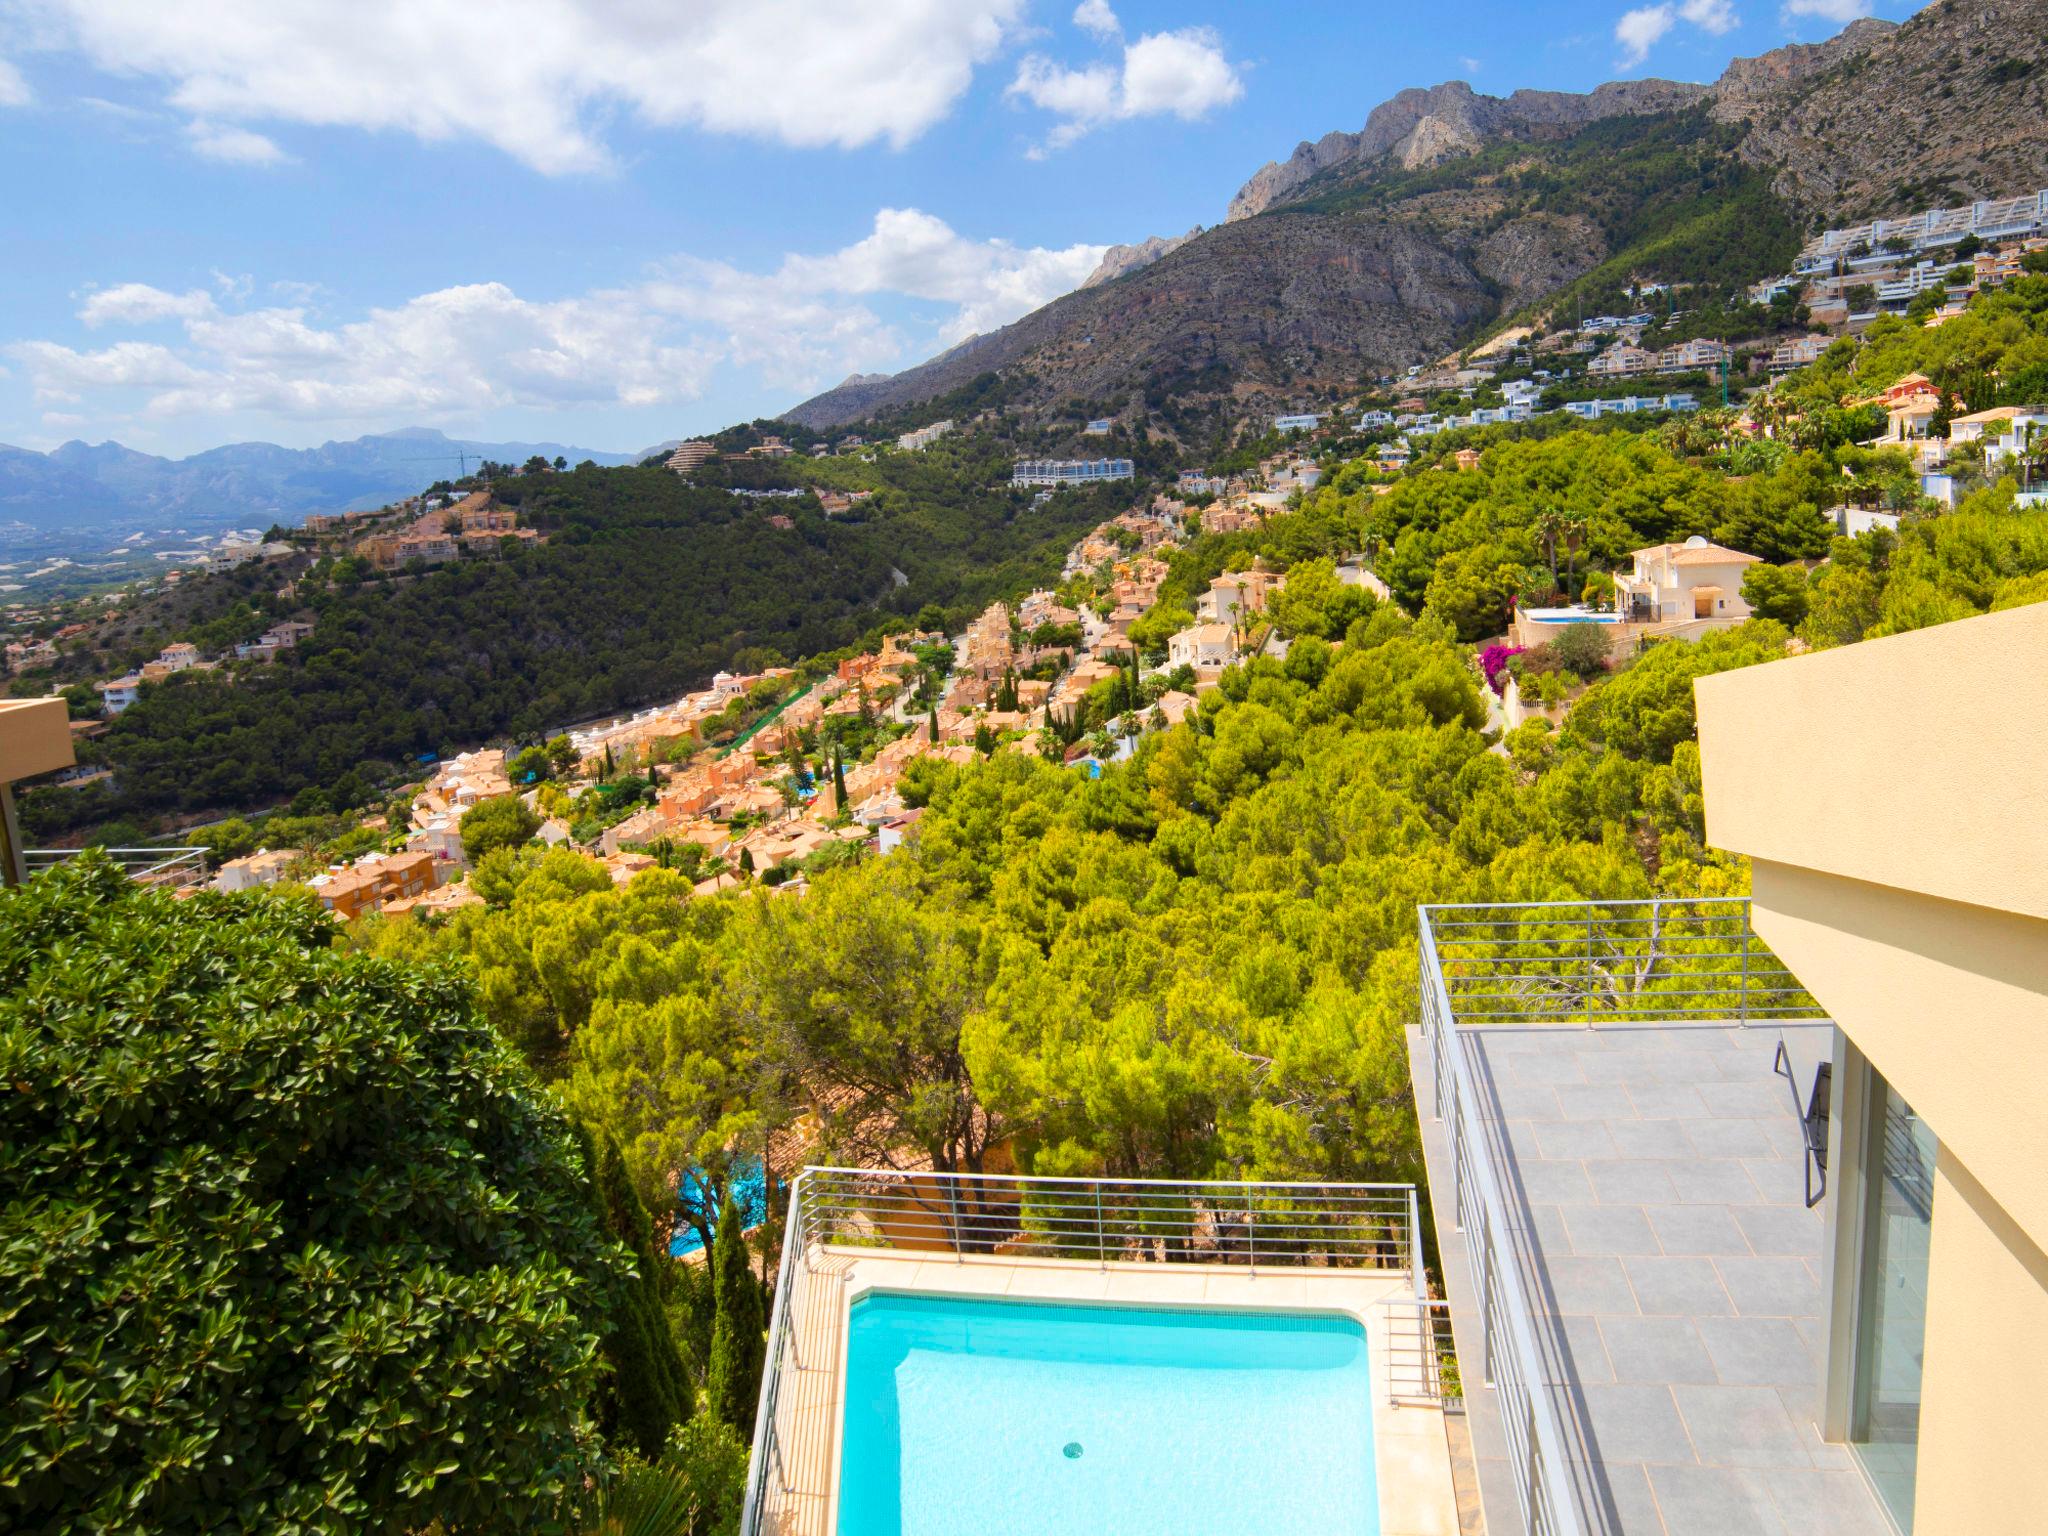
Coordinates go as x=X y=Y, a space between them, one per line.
x=1631 y=1506
x=1786 y=1136
x=1547 y=1223
x=1729 y=1138
x=1586 y=1286
x=1623 y=1182
x=1715 y=1501
x=1584 y=1138
x=1757 y=1351
x=1770 y=1287
x=1546 y=1067
x=1651 y=1139
x=1749 y=1099
x=1780 y=1181
x=1651 y=1351
x=1620 y=1066
x=1696 y=1229
x=1677 y=1288
x=1777 y=1229
x=1608 y=1229
x=1715 y=1181
x=1826 y=1503
x=1594 y=1101
x=1581 y=1335
x=1636 y=1423
x=1545 y=1182
x=1668 y=1101
x=1740 y=1427
x=1525 y=1101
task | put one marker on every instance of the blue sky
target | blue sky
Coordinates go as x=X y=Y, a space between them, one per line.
x=611 y=222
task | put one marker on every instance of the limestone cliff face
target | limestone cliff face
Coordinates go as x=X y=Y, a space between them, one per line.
x=1417 y=128
x=1947 y=107
x=1121 y=260
x=1883 y=118
x=1263 y=310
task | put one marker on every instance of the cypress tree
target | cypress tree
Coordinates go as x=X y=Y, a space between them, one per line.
x=643 y=1393
x=739 y=1344
x=838 y=781
x=935 y=725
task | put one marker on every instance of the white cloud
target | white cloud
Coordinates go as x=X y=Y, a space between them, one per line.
x=1841 y=12
x=462 y=352
x=14 y=91
x=1096 y=16
x=139 y=304
x=1640 y=30
x=1715 y=16
x=235 y=146
x=537 y=78
x=1643 y=28
x=1183 y=74
x=1469 y=65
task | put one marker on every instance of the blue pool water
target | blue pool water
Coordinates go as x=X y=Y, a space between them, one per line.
x=1567 y=616
x=1009 y=1418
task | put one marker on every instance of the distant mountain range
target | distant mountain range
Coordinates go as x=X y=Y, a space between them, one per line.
x=1363 y=253
x=92 y=489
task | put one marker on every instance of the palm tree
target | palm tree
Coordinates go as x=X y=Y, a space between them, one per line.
x=1550 y=529
x=643 y=1501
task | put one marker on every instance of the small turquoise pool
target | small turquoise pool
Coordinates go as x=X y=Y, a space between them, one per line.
x=1021 y=1419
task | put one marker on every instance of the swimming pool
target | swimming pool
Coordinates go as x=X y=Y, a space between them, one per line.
x=1049 y=1419
x=1567 y=616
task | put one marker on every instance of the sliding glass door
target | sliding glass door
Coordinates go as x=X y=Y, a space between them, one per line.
x=1892 y=1302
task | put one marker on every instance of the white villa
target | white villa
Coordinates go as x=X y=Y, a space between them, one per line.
x=1675 y=582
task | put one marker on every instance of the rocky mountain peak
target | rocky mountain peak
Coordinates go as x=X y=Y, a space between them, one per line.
x=1422 y=127
x=1121 y=260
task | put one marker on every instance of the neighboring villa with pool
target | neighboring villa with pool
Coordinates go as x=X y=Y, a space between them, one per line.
x=1671 y=591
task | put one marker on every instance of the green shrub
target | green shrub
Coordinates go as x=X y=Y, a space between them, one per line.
x=289 y=1241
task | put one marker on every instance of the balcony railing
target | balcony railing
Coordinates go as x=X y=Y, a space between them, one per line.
x=147 y=866
x=1088 y=1221
x=1661 y=961
x=1588 y=962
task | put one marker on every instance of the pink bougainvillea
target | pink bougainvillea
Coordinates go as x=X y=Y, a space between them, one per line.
x=1493 y=661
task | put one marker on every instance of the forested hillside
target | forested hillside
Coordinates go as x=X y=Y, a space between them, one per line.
x=644 y=588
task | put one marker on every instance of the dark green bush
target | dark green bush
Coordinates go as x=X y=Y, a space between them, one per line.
x=289 y=1241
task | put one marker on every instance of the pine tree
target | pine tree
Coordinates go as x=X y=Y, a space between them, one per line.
x=738 y=1338
x=644 y=1393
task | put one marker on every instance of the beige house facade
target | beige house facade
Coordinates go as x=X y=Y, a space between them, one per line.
x=1918 y=919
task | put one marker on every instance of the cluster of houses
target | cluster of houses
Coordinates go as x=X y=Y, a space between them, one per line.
x=2010 y=436
x=444 y=533
x=117 y=693
x=1848 y=276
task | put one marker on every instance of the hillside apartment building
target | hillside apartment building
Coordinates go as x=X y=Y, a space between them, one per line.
x=1743 y=1203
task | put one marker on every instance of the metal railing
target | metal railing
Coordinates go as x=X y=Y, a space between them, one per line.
x=1422 y=1354
x=1658 y=960
x=964 y=1216
x=148 y=866
x=1665 y=960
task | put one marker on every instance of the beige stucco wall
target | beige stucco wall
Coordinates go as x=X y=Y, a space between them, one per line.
x=1914 y=761
x=1983 y=1415
x=1893 y=799
x=35 y=737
